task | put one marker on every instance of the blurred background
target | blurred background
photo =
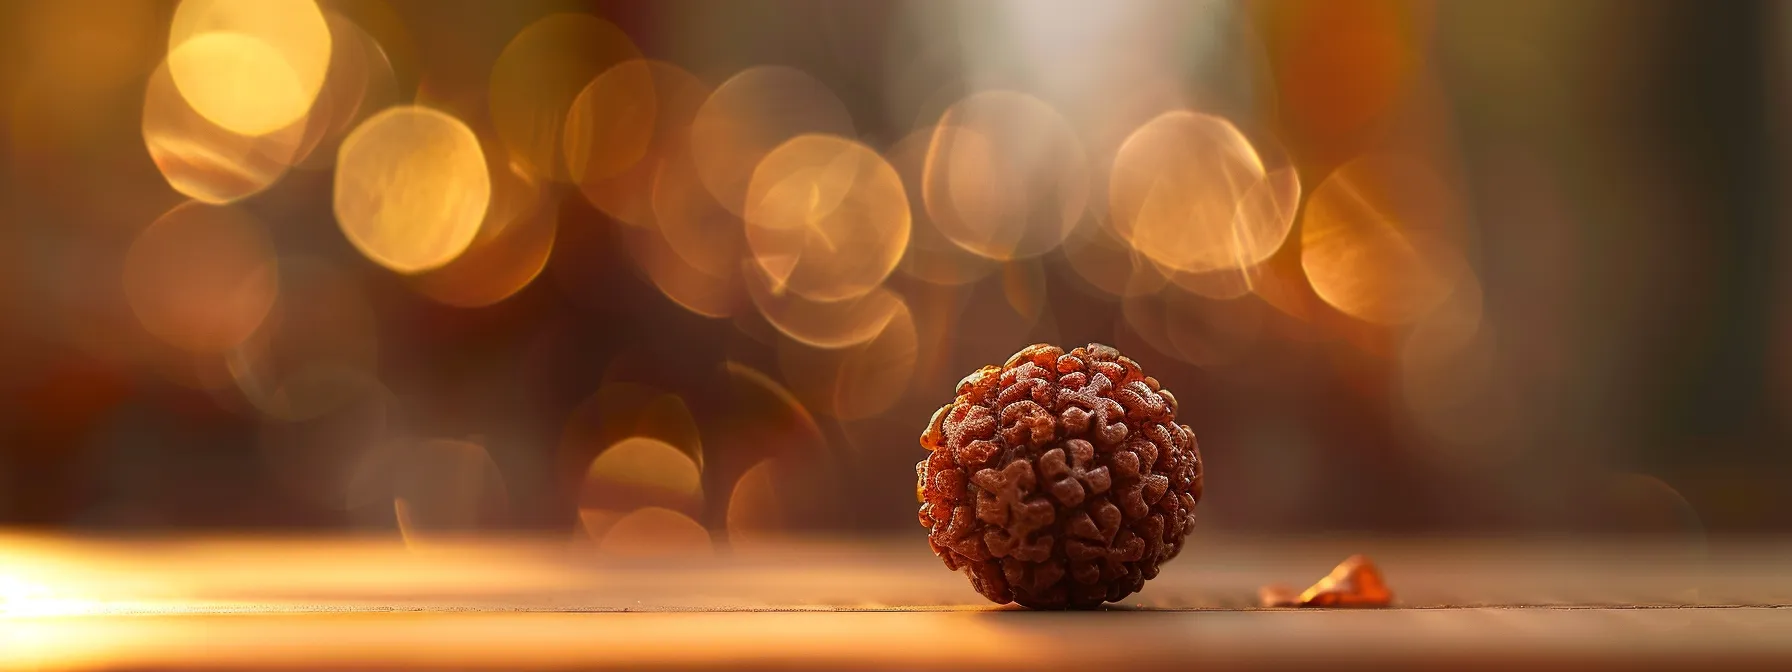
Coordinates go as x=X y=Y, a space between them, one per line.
x=684 y=274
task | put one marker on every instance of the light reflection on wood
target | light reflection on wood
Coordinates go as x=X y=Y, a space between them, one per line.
x=998 y=640
x=533 y=602
x=565 y=572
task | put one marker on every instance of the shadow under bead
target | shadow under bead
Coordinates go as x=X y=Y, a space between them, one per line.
x=1059 y=479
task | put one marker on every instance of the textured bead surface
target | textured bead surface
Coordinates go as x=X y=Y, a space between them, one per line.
x=1059 y=479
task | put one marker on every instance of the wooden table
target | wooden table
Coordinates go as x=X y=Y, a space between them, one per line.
x=879 y=604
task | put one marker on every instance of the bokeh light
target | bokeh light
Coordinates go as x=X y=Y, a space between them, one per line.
x=654 y=532
x=611 y=122
x=1381 y=239
x=396 y=34
x=762 y=419
x=1006 y=176
x=1190 y=192
x=668 y=417
x=216 y=64
x=875 y=376
x=698 y=229
x=360 y=83
x=612 y=174
x=255 y=254
x=753 y=113
x=250 y=66
x=443 y=488
x=692 y=288
x=1109 y=264
x=857 y=381
x=827 y=218
x=636 y=473
x=512 y=246
x=202 y=277
x=411 y=188
x=1023 y=285
x=823 y=324
x=539 y=74
x=755 y=512
x=1282 y=283
x=931 y=256
x=206 y=161
x=619 y=411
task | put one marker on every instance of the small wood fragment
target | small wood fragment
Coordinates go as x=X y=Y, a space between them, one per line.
x=1354 y=583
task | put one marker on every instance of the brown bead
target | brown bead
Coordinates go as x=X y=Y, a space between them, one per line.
x=1059 y=479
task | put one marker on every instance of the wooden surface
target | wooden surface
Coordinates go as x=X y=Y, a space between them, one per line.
x=543 y=604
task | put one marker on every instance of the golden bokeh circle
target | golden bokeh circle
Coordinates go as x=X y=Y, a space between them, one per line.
x=695 y=226
x=444 y=488
x=611 y=122
x=1107 y=263
x=858 y=381
x=762 y=419
x=620 y=412
x=511 y=249
x=667 y=417
x=361 y=82
x=765 y=418
x=659 y=469
x=635 y=473
x=654 y=532
x=822 y=324
x=931 y=256
x=1006 y=176
x=201 y=277
x=203 y=160
x=1380 y=239
x=753 y=113
x=250 y=66
x=692 y=288
x=411 y=188
x=755 y=510
x=1270 y=205
x=827 y=218
x=878 y=374
x=626 y=193
x=1190 y=192
x=540 y=73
